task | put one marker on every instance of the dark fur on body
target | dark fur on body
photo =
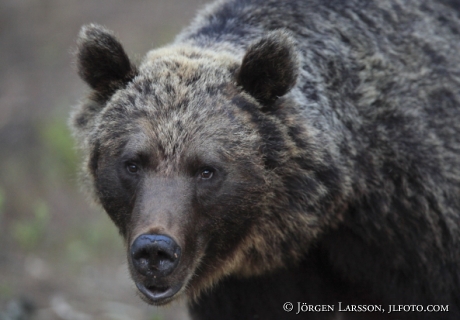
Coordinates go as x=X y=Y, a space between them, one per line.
x=334 y=131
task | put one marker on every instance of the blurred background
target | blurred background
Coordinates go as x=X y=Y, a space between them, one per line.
x=60 y=257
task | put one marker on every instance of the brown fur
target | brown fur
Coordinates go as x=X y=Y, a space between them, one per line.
x=329 y=135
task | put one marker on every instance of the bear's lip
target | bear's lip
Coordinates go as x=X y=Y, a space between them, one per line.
x=158 y=295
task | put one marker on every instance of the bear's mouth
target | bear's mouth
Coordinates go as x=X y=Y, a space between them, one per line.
x=158 y=295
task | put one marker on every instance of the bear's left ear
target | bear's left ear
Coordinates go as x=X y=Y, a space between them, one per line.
x=270 y=67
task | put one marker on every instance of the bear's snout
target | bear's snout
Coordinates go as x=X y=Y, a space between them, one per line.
x=155 y=255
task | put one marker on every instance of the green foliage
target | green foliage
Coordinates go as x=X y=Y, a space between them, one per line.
x=57 y=139
x=30 y=232
x=78 y=251
x=6 y=291
x=101 y=234
x=93 y=240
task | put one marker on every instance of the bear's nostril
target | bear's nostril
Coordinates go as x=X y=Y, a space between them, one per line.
x=156 y=255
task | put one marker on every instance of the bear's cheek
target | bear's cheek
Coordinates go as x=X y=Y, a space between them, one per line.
x=223 y=222
x=117 y=197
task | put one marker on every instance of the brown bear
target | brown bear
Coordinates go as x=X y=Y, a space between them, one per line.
x=285 y=159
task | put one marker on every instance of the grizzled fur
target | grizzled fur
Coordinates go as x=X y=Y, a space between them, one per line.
x=331 y=132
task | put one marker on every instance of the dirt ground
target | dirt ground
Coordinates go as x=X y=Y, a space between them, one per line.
x=60 y=257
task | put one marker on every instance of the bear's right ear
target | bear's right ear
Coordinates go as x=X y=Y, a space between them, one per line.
x=270 y=67
x=101 y=60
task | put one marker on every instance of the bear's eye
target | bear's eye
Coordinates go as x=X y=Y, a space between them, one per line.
x=132 y=168
x=206 y=173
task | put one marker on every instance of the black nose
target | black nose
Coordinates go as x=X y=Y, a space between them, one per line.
x=155 y=255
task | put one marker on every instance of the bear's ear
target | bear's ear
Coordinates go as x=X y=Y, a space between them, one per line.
x=270 y=67
x=101 y=60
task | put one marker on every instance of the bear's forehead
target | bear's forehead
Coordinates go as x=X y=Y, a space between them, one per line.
x=189 y=57
x=169 y=120
x=186 y=65
x=165 y=117
x=168 y=136
x=170 y=79
x=179 y=98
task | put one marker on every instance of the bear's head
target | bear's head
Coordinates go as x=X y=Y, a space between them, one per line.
x=184 y=153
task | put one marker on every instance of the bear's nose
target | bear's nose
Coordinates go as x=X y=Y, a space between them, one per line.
x=155 y=255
